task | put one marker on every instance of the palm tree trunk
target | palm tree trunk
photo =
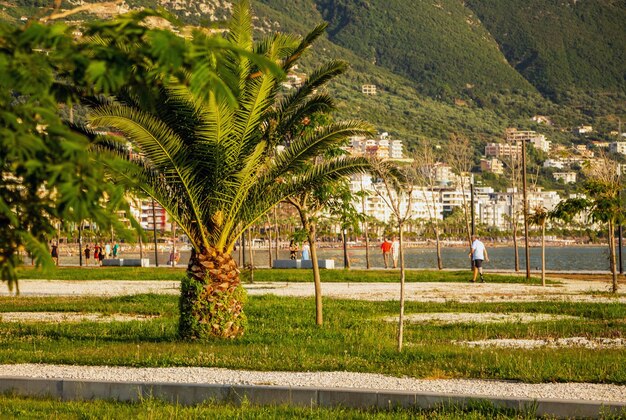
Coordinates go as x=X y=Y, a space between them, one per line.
x=612 y=258
x=543 y=253
x=402 y=275
x=311 y=235
x=211 y=299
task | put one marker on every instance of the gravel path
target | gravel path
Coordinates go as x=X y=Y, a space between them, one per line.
x=570 y=290
x=570 y=391
x=70 y=317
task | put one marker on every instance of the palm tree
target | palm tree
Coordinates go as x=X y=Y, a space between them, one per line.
x=208 y=162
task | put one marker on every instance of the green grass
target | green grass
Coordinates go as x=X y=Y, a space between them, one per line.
x=266 y=275
x=282 y=336
x=34 y=408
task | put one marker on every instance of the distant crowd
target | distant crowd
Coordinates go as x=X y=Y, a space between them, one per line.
x=100 y=252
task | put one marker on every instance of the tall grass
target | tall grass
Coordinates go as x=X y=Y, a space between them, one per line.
x=36 y=408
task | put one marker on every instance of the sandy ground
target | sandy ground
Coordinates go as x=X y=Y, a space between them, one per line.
x=569 y=290
x=478 y=317
x=70 y=317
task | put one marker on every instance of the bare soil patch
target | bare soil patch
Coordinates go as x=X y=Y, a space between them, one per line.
x=70 y=317
x=482 y=317
x=589 y=343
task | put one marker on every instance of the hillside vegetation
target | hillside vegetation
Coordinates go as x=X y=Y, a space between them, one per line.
x=445 y=66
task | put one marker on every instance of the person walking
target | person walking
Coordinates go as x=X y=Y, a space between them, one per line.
x=306 y=251
x=116 y=249
x=478 y=254
x=293 y=250
x=102 y=255
x=54 y=253
x=395 y=251
x=386 y=248
x=87 y=253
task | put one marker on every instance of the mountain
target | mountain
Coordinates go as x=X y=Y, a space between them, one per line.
x=471 y=67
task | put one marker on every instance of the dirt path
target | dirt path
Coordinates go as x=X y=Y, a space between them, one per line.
x=569 y=290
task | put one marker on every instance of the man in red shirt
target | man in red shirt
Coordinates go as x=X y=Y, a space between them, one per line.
x=386 y=247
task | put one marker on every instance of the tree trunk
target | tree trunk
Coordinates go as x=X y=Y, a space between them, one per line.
x=277 y=232
x=401 y=318
x=365 y=230
x=311 y=234
x=346 y=257
x=612 y=263
x=211 y=299
x=438 y=244
x=515 y=248
x=140 y=247
x=251 y=255
x=269 y=241
x=543 y=253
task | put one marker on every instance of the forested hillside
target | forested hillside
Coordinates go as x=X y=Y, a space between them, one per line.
x=447 y=67
x=561 y=45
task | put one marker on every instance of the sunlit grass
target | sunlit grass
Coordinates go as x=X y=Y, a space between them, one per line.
x=265 y=275
x=282 y=335
x=35 y=408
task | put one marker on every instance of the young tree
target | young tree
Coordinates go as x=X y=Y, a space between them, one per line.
x=396 y=191
x=46 y=170
x=460 y=154
x=602 y=203
x=425 y=160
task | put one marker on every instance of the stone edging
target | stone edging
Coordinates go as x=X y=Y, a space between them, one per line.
x=189 y=394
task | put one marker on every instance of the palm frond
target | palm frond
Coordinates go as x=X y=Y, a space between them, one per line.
x=315 y=144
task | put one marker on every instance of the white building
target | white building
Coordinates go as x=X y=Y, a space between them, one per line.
x=492 y=165
x=368 y=89
x=383 y=147
x=566 y=177
x=503 y=150
x=515 y=136
x=554 y=163
x=142 y=211
x=618 y=147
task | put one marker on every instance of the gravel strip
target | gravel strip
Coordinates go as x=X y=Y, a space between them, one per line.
x=569 y=391
x=481 y=317
x=70 y=317
x=588 y=343
x=570 y=290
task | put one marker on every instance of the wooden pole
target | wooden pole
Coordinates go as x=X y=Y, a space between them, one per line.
x=526 y=245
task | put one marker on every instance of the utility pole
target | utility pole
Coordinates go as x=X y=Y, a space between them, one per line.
x=527 y=249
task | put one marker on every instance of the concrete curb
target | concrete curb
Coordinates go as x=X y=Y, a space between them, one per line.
x=189 y=394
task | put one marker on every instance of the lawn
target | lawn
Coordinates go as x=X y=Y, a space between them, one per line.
x=282 y=336
x=34 y=408
x=265 y=275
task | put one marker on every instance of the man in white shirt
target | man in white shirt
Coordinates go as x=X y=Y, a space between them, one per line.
x=395 y=251
x=478 y=254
